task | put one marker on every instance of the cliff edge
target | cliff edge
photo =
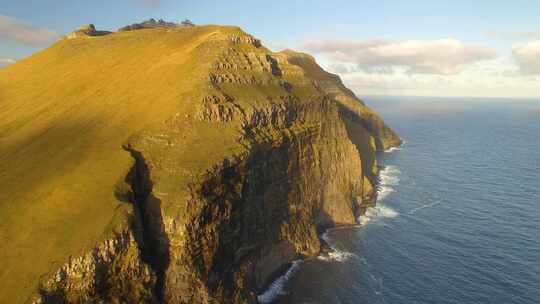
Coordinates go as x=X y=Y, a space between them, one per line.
x=173 y=165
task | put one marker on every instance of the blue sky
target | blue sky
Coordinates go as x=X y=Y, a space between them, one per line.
x=418 y=47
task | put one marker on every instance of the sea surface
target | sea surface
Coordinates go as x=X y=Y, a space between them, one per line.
x=458 y=215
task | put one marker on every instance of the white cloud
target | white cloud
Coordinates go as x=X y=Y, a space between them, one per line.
x=339 y=68
x=443 y=56
x=527 y=57
x=498 y=77
x=14 y=30
x=6 y=61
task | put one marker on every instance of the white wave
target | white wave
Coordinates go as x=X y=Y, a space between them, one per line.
x=377 y=212
x=325 y=238
x=277 y=288
x=393 y=149
x=381 y=211
x=388 y=179
x=384 y=192
x=335 y=254
x=389 y=176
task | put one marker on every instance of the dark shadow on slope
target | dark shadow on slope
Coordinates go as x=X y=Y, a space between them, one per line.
x=276 y=71
x=155 y=243
x=360 y=134
x=368 y=125
x=248 y=198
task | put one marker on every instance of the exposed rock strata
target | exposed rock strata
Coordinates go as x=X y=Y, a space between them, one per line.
x=86 y=30
x=152 y=23
x=255 y=213
x=113 y=272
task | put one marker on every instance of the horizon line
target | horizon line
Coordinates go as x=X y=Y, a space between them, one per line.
x=449 y=97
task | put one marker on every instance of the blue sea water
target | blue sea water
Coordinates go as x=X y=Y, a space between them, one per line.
x=458 y=217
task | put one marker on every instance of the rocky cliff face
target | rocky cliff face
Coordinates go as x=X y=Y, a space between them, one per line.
x=246 y=163
x=114 y=272
x=255 y=213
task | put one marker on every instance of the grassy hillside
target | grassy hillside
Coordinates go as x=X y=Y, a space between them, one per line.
x=64 y=114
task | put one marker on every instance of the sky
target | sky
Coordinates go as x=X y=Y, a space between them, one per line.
x=416 y=47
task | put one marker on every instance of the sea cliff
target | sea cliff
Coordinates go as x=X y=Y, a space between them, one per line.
x=182 y=165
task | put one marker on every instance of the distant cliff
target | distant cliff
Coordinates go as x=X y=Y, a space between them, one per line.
x=174 y=164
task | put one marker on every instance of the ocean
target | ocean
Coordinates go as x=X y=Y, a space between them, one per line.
x=458 y=214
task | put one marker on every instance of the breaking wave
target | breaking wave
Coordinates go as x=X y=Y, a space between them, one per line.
x=389 y=176
x=393 y=149
x=377 y=212
x=388 y=179
x=335 y=254
x=277 y=288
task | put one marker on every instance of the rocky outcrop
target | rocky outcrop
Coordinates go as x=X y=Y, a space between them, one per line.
x=90 y=29
x=113 y=272
x=86 y=30
x=152 y=23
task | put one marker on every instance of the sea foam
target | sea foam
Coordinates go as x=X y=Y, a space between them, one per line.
x=393 y=149
x=277 y=288
x=377 y=212
x=389 y=176
x=388 y=179
x=335 y=254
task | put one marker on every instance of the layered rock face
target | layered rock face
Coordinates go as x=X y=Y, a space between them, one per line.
x=224 y=175
x=256 y=212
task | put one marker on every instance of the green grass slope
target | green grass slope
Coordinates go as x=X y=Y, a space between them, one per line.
x=64 y=114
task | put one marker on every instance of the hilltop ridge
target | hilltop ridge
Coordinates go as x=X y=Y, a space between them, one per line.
x=173 y=165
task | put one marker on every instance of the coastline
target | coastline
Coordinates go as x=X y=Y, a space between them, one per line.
x=276 y=287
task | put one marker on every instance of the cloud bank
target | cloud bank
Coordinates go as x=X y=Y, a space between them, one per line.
x=6 y=61
x=14 y=30
x=527 y=57
x=443 y=56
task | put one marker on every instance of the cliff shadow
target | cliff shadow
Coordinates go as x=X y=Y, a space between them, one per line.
x=247 y=196
x=360 y=134
x=148 y=221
